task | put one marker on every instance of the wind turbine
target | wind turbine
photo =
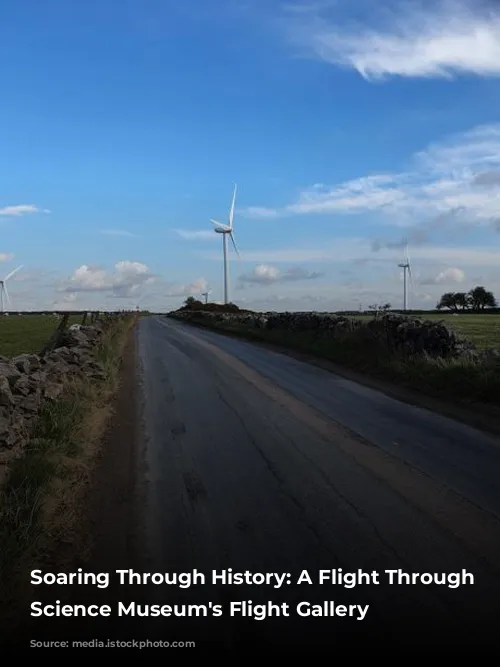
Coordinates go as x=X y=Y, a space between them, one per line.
x=206 y=294
x=226 y=230
x=406 y=266
x=3 y=288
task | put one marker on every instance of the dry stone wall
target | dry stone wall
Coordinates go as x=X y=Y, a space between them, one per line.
x=398 y=333
x=28 y=381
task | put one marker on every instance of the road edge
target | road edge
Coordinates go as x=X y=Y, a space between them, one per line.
x=475 y=415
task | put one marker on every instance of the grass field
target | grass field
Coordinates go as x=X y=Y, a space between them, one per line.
x=20 y=334
x=482 y=330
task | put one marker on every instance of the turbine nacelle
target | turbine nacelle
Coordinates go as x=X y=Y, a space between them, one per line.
x=220 y=228
x=406 y=266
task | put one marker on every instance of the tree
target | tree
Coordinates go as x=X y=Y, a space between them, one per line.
x=192 y=304
x=448 y=300
x=480 y=298
x=462 y=300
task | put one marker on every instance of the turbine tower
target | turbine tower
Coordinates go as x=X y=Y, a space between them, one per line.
x=406 y=266
x=206 y=294
x=226 y=231
x=3 y=288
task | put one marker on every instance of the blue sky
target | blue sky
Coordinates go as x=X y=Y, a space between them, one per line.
x=348 y=126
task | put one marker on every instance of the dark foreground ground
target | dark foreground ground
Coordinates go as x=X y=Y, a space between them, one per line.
x=226 y=455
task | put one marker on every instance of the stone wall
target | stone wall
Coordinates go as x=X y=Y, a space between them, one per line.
x=28 y=381
x=398 y=333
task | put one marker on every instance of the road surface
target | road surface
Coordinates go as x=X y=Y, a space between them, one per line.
x=259 y=462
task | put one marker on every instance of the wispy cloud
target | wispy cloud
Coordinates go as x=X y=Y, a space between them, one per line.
x=358 y=250
x=197 y=235
x=116 y=232
x=260 y=212
x=268 y=275
x=21 y=209
x=6 y=256
x=441 y=39
x=456 y=180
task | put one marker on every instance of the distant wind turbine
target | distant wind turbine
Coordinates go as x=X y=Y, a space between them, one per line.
x=3 y=288
x=227 y=230
x=206 y=295
x=406 y=266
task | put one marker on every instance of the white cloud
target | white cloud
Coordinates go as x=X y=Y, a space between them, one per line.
x=449 y=275
x=68 y=302
x=267 y=275
x=21 y=209
x=127 y=279
x=456 y=181
x=195 y=288
x=6 y=256
x=441 y=39
x=261 y=274
x=198 y=235
x=116 y=232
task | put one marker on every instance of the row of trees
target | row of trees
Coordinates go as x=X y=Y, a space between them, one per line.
x=477 y=299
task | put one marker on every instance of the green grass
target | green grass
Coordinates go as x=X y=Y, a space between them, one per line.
x=482 y=330
x=20 y=334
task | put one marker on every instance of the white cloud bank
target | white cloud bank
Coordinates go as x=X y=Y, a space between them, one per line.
x=440 y=39
x=127 y=279
x=455 y=180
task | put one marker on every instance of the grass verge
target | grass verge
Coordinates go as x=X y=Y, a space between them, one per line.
x=39 y=500
x=454 y=380
x=20 y=334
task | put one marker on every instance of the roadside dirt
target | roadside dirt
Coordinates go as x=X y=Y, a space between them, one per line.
x=110 y=525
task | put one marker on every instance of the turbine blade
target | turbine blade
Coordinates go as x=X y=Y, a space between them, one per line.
x=12 y=273
x=5 y=291
x=231 y=212
x=407 y=252
x=214 y=222
x=234 y=244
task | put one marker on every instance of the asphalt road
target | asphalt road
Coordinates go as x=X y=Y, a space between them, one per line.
x=259 y=462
